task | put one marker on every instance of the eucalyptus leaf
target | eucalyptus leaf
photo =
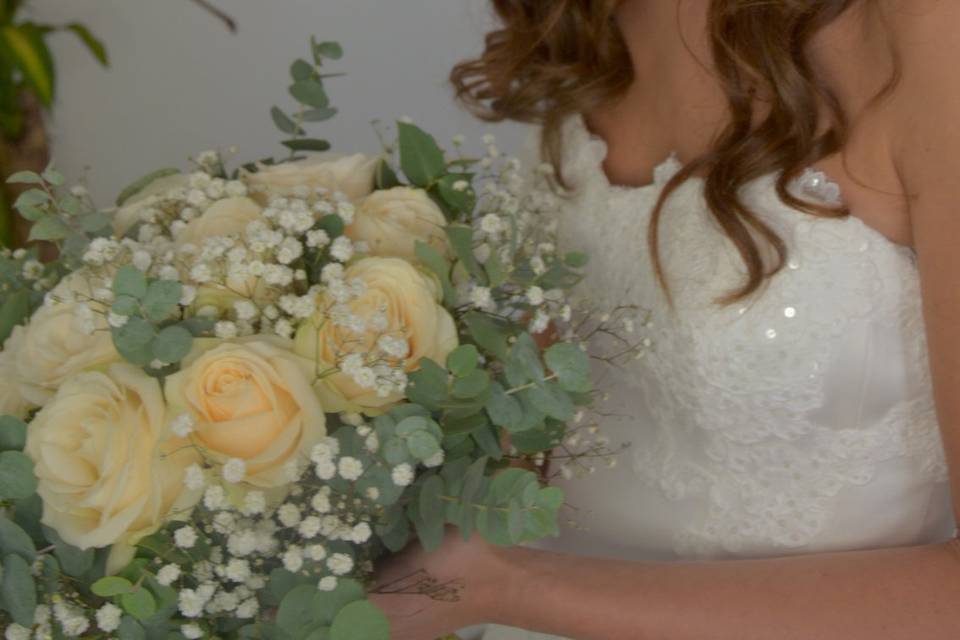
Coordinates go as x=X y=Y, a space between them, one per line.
x=17 y=480
x=571 y=365
x=310 y=92
x=284 y=123
x=110 y=586
x=463 y=360
x=13 y=433
x=139 y=603
x=420 y=157
x=18 y=590
x=25 y=177
x=49 y=227
x=360 y=620
x=13 y=539
x=306 y=144
x=439 y=266
x=130 y=281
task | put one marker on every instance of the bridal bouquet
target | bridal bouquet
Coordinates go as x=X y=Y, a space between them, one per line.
x=232 y=393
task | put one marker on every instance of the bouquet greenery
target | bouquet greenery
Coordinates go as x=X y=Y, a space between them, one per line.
x=234 y=392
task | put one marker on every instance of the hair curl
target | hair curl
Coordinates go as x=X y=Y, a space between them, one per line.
x=549 y=60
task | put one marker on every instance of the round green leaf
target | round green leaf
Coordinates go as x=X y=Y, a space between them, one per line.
x=463 y=360
x=471 y=385
x=130 y=281
x=111 y=586
x=172 y=344
x=139 y=603
x=17 y=480
x=13 y=433
x=572 y=366
x=134 y=340
x=162 y=299
x=360 y=620
x=18 y=590
x=422 y=445
x=13 y=539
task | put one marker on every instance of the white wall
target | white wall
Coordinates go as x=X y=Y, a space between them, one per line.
x=180 y=83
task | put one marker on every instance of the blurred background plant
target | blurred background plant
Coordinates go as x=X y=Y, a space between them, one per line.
x=27 y=91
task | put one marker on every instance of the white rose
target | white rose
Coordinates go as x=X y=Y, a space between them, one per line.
x=54 y=345
x=130 y=213
x=109 y=471
x=406 y=299
x=351 y=175
x=227 y=217
x=250 y=400
x=392 y=221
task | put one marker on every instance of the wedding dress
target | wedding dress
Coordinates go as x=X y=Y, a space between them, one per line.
x=798 y=421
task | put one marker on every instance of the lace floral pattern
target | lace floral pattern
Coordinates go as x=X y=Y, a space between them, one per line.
x=768 y=411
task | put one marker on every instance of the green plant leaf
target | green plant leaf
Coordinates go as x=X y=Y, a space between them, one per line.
x=134 y=341
x=172 y=344
x=307 y=144
x=139 y=603
x=459 y=200
x=130 y=281
x=17 y=480
x=18 y=590
x=15 y=309
x=13 y=539
x=572 y=366
x=94 y=44
x=463 y=360
x=49 y=227
x=428 y=384
x=360 y=620
x=75 y=562
x=331 y=50
x=552 y=400
x=110 y=586
x=130 y=629
x=29 y=53
x=472 y=385
x=162 y=299
x=284 y=123
x=504 y=410
x=488 y=333
x=25 y=177
x=439 y=266
x=432 y=506
x=386 y=177
x=423 y=445
x=319 y=115
x=420 y=157
x=301 y=70
x=13 y=433
x=310 y=92
x=33 y=197
x=142 y=183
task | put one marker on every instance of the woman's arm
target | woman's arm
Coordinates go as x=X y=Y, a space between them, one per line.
x=908 y=593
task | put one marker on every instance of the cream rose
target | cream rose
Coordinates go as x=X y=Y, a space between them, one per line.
x=251 y=399
x=12 y=401
x=405 y=301
x=392 y=221
x=351 y=175
x=109 y=472
x=55 y=345
x=132 y=210
x=227 y=217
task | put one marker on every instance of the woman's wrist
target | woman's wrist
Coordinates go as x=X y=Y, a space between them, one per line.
x=516 y=582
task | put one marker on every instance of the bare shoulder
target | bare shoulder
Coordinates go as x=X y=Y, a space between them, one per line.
x=925 y=113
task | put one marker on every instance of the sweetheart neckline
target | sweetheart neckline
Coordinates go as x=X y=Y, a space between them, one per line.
x=664 y=170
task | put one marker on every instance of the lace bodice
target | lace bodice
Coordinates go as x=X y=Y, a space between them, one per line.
x=800 y=420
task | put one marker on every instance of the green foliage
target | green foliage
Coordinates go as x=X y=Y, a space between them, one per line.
x=142 y=183
x=18 y=590
x=16 y=476
x=360 y=620
x=13 y=433
x=421 y=158
x=309 y=91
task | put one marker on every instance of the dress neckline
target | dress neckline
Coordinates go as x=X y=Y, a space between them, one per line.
x=812 y=183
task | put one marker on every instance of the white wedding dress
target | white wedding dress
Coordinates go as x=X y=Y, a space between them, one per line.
x=799 y=421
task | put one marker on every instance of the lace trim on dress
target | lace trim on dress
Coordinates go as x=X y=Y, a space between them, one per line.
x=749 y=383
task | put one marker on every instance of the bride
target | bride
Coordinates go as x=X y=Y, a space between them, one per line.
x=776 y=181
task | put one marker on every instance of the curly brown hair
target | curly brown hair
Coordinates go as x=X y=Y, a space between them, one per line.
x=549 y=60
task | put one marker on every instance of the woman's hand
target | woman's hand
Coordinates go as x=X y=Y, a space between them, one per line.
x=429 y=595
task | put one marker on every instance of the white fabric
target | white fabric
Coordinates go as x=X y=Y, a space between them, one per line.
x=799 y=421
